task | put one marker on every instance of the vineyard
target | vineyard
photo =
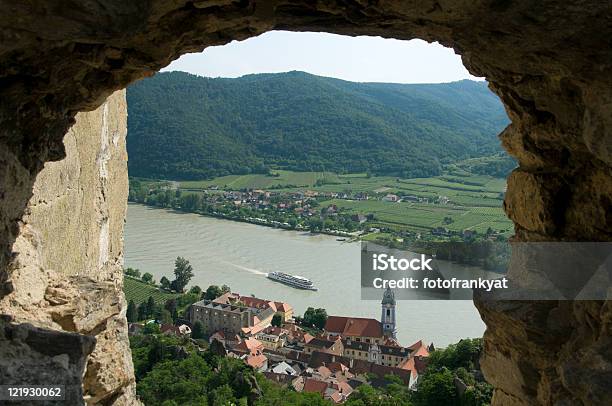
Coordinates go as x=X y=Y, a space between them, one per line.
x=139 y=292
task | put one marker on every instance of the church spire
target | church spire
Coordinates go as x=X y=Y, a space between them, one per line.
x=388 y=297
x=387 y=318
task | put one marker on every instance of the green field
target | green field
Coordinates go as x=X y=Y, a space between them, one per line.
x=139 y=292
x=475 y=200
x=258 y=181
x=421 y=217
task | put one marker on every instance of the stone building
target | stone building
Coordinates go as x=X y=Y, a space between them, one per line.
x=228 y=318
x=380 y=354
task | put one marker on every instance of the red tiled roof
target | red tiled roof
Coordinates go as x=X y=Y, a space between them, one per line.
x=283 y=307
x=391 y=342
x=313 y=385
x=256 y=361
x=257 y=303
x=273 y=330
x=324 y=371
x=226 y=298
x=336 y=397
x=419 y=349
x=408 y=365
x=337 y=367
x=343 y=387
x=250 y=345
x=353 y=326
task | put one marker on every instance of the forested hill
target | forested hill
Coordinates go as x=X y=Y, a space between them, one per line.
x=182 y=126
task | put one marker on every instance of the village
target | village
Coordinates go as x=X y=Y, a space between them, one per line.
x=333 y=361
x=347 y=214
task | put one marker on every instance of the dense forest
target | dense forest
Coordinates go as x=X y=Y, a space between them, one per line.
x=182 y=126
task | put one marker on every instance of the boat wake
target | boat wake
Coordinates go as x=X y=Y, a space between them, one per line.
x=244 y=268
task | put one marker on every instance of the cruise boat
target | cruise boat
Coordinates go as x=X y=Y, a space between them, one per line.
x=292 y=280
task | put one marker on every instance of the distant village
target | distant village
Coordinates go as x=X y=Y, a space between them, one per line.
x=333 y=361
x=297 y=210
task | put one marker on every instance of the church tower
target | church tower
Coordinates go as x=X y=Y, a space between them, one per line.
x=387 y=318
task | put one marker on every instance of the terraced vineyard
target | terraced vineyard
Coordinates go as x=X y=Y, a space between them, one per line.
x=139 y=292
x=421 y=217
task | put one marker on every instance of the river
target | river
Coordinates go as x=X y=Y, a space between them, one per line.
x=240 y=254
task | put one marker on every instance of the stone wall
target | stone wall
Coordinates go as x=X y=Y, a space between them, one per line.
x=549 y=61
x=67 y=272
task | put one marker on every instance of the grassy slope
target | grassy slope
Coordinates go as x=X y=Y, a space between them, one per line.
x=256 y=181
x=139 y=292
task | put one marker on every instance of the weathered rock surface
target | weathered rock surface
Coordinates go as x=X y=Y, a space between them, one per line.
x=44 y=357
x=67 y=271
x=549 y=61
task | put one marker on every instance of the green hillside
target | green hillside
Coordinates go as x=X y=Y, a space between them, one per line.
x=182 y=126
x=139 y=292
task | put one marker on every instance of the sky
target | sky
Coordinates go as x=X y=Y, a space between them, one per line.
x=358 y=59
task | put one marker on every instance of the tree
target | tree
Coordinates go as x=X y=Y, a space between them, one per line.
x=277 y=320
x=225 y=289
x=196 y=290
x=147 y=278
x=165 y=317
x=212 y=292
x=436 y=389
x=150 y=307
x=134 y=273
x=182 y=381
x=198 y=330
x=142 y=311
x=223 y=396
x=132 y=312
x=315 y=317
x=183 y=272
x=172 y=307
x=151 y=328
x=165 y=283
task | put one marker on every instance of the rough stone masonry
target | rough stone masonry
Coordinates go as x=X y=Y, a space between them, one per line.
x=549 y=61
x=67 y=276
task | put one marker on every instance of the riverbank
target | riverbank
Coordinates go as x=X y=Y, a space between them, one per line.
x=474 y=252
x=239 y=255
x=256 y=221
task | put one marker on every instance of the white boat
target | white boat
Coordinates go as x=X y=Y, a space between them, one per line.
x=292 y=280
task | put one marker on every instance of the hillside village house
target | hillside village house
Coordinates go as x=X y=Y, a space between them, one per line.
x=335 y=346
x=348 y=349
x=272 y=337
x=388 y=355
x=391 y=198
x=284 y=310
